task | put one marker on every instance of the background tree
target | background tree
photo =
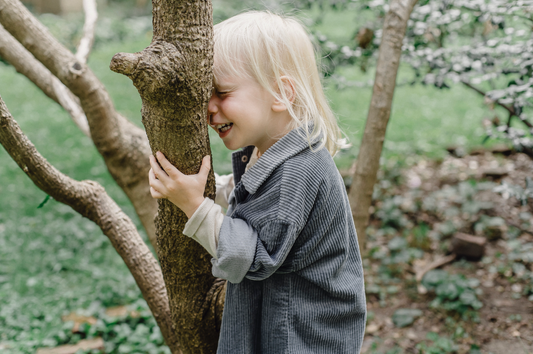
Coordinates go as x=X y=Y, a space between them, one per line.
x=483 y=45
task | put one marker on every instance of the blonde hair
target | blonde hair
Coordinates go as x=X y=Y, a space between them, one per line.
x=265 y=46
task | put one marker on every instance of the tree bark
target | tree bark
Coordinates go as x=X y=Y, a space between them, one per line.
x=174 y=79
x=90 y=200
x=87 y=40
x=26 y=64
x=367 y=166
x=123 y=146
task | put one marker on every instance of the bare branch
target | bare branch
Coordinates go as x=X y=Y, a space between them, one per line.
x=86 y=42
x=509 y=109
x=123 y=145
x=26 y=64
x=90 y=200
x=71 y=104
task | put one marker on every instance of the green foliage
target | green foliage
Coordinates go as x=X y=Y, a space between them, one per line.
x=404 y=317
x=453 y=292
x=420 y=237
x=436 y=344
x=126 y=334
x=516 y=191
x=484 y=44
x=46 y=199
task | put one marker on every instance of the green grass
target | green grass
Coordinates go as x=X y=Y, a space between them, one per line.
x=52 y=261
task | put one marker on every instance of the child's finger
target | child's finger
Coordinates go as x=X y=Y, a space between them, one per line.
x=169 y=168
x=151 y=176
x=155 y=183
x=206 y=166
x=155 y=194
x=159 y=173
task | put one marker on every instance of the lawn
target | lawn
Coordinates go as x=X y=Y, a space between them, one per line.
x=52 y=261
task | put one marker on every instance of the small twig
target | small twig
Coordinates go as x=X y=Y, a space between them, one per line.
x=509 y=121
x=506 y=107
x=86 y=42
x=439 y=262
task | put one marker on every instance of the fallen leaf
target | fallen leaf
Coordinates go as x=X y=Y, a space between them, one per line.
x=78 y=320
x=86 y=344
x=372 y=328
x=118 y=311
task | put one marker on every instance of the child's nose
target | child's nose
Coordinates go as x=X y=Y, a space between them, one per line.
x=212 y=107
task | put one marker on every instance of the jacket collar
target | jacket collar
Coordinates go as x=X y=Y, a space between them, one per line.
x=291 y=144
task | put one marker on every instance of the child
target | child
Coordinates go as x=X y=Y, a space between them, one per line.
x=287 y=245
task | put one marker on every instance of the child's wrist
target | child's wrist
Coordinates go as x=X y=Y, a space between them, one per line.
x=192 y=207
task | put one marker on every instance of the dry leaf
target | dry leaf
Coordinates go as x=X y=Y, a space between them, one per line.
x=86 y=344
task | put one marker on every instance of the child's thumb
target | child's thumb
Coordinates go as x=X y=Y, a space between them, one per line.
x=206 y=166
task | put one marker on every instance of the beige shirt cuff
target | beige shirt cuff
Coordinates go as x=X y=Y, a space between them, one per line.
x=204 y=225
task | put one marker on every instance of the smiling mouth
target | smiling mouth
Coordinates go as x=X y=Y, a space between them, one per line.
x=222 y=128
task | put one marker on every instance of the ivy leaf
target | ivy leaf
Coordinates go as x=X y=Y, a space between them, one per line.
x=44 y=202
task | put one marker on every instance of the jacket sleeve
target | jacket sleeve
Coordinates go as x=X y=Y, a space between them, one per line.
x=255 y=254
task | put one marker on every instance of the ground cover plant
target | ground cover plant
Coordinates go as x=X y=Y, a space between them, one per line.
x=53 y=262
x=466 y=306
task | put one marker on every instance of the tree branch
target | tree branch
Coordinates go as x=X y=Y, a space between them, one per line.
x=90 y=200
x=86 y=42
x=22 y=60
x=123 y=145
x=509 y=109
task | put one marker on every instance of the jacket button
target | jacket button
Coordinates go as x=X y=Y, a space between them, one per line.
x=244 y=158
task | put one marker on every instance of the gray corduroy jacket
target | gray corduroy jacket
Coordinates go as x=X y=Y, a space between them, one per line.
x=289 y=249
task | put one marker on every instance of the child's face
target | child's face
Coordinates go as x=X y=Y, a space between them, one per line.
x=240 y=110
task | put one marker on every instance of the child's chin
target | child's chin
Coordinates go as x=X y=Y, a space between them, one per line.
x=231 y=146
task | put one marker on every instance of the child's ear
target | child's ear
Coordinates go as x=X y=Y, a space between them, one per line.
x=287 y=85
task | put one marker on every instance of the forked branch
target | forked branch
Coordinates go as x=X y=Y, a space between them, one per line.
x=26 y=64
x=90 y=200
x=123 y=145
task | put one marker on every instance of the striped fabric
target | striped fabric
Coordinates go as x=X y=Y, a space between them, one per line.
x=289 y=249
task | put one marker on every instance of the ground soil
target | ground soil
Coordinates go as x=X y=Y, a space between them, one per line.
x=498 y=330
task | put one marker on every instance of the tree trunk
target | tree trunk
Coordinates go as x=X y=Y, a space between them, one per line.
x=174 y=79
x=367 y=166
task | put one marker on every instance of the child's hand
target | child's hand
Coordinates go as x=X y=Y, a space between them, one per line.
x=185 y=191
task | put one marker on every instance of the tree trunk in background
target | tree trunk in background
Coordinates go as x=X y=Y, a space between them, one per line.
x=174 y=79
x=366 y=170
